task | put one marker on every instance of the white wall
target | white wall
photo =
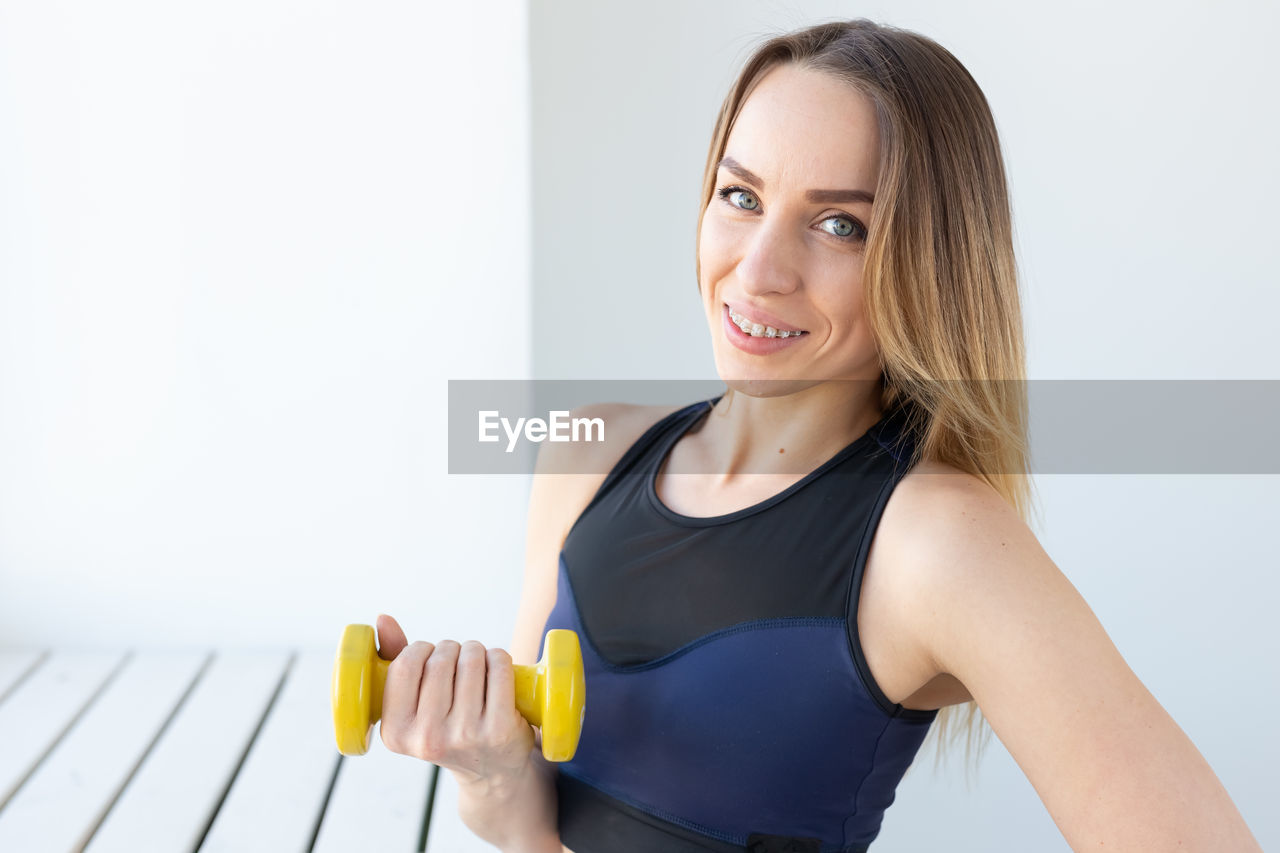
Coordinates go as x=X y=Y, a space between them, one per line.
x=1140 y=142
x=243 y=246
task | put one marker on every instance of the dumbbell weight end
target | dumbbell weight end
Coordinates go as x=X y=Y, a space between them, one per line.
x=551 y=694
x=359 y=677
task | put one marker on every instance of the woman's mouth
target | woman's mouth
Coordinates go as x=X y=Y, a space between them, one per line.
x=757 y=338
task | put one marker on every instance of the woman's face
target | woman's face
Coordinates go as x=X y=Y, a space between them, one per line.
x=783 y=236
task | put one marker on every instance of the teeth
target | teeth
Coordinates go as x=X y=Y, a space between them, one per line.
x=759 y=330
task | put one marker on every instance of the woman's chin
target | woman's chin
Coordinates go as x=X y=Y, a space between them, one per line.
x=764 y=386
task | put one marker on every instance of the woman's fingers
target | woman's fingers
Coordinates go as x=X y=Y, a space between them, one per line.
x=400 y=695
x=469 y=688
x=436 y=697
x=453 y=704
x=500 y=699
x=391 y=638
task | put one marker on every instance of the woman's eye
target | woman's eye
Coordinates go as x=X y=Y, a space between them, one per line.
x=727 y=193
x=845 y=227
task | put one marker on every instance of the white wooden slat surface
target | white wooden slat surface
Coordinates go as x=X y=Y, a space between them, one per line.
x=447 y=833
x=378 y=804
x=280 y=792
x=14 y=665
x=63 y=800
x=170 y=801
x=140 y=751
x=35 y=714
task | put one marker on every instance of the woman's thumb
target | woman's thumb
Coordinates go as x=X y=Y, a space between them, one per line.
x=391 y=638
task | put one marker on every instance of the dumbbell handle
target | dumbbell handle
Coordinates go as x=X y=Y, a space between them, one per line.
x=526 y=691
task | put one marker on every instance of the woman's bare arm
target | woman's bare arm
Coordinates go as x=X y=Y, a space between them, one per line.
x=1112 y=767
x=522 y=817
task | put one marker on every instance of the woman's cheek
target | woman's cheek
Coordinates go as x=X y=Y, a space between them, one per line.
x=715 y=245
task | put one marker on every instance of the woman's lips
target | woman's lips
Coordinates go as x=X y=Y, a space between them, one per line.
x=759 y=315
x=753 y=345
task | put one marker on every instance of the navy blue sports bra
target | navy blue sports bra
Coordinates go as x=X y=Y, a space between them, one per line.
x=729 y=705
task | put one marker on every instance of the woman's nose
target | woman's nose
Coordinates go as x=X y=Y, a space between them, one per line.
x=769 y=262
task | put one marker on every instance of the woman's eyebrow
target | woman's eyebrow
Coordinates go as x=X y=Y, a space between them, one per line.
x=822 y=196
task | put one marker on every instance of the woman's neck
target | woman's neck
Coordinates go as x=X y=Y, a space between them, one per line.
x=790 y=433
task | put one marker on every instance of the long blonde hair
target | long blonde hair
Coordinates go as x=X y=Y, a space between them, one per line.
x=940 y=277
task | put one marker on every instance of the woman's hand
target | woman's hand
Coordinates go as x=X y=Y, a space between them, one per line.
x=453 y=705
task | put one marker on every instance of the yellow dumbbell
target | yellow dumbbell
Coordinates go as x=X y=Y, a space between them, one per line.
x=551 y=694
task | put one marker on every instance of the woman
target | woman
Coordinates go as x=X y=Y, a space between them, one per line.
x=760 y=675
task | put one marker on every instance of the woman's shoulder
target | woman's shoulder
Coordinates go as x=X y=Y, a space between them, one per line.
x=936 y=506
x=944 y=533
x=933 y=479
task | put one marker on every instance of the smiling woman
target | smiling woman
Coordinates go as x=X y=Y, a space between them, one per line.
x=782 y=590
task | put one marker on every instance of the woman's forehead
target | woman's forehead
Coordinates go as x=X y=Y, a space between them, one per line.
x=804 y=126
